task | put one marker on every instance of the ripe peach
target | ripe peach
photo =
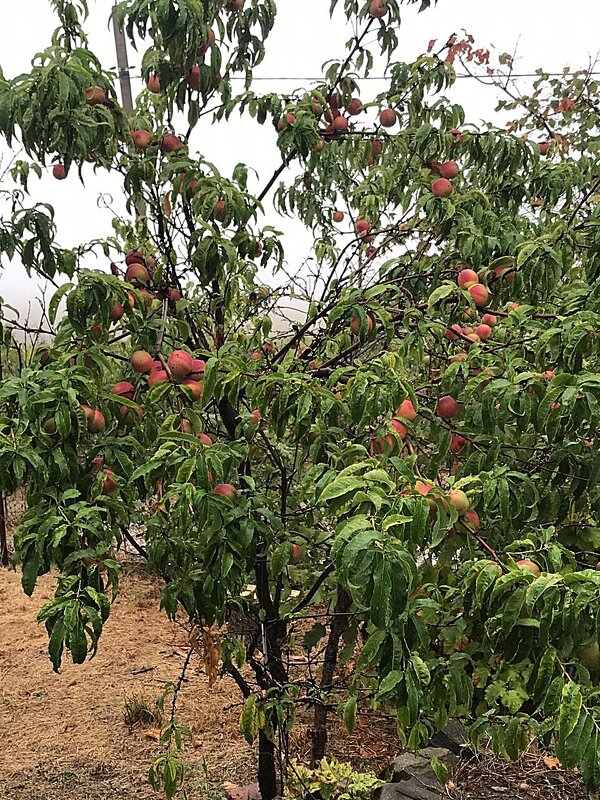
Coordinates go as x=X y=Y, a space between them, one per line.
x=526 y=563
x=109 y=484
x=192 y=388
x=226 y=490
x=362 y=227
x=129 y=415
x=459 y=500
x=193 y=78
x=153 y=83
x=449 y=169
x=141 y=140
x=489 y=319
x=286 y=121
x=452 y=331
x=59 y=172
x=124 y=389
x=378 y=8
x=377 y=445
x=354 y=107
x=337 y=216
x=135 y=257
x=407 y=411
x=387 y=118
x=441 y=187
x=399 y=429
x=483 y=331
x=169 y=143
x=97 y=423
x=356 y=323
x=180 y=363
x=157 y=376
x=447 y=407
x=203 y=49
x=340 y=124
x=219 y=210
x=467 y=278
x=137 y=273
x=96 y=465
x=458 y=443
x=198 y=369
x=204 y=439
x=480 y=294
x=141 y=361
x=186 y=426
x=472 y=521
x=296 y=553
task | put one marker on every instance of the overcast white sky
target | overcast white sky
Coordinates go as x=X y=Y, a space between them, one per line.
x=547 y=33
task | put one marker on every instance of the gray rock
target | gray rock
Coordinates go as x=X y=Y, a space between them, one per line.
x=409 y=766
x=447 y=757
x=409 y=790
x=453 y=736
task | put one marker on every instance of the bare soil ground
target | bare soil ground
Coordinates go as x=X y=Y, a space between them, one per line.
x=64 y=736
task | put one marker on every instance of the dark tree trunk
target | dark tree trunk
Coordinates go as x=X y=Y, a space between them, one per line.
x=4 y=558
x=339 y=623
x=267 y=772
x=274 y=674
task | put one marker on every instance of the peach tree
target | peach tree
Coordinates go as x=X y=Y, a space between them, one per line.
x=400 y=481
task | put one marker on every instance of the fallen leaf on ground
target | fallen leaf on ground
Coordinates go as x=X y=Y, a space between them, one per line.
x=551 y=762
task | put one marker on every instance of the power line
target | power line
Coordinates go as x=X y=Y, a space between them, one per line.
x=387 y=78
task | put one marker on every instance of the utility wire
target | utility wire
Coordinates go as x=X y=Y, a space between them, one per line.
x=384 y=78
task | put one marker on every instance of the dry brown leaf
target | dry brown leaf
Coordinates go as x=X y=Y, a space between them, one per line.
x=152 y=733
x=551 y=762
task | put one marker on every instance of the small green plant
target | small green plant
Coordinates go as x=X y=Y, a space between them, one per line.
x=206 y=788
x=140 y=714
x=332 y=780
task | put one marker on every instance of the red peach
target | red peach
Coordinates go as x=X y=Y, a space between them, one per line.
x=447 y=407
x=441 y=187
x=480 y=294
x=387 y=118
x=467 y=278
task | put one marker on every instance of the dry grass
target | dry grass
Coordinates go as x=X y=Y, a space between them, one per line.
x=138 y=713
x=534 y=776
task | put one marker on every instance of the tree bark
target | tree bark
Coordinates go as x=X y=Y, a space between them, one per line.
x=274 y=673
x=339 y=623
x=4 y=558
x=267 y=772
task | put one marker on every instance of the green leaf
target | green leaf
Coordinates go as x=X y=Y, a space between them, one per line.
x=341 y=486
x=55 y=300
x=281 y=557
x=512 y=609
x=314 y=635
x=570 y=709
x=443 y=291
x=349 y=716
